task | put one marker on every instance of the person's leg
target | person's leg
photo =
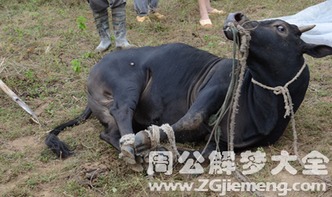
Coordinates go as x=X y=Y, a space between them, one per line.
x=204 y=20
x=118 y=8
x=211 y=10
x=153 y=5
x=142 y=10
x=141 y=7
x=100 y=14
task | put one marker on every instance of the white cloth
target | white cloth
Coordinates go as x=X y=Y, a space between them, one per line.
x=319 y=15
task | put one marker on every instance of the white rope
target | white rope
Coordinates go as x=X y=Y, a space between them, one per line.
x=154 y=134
x=128 y=139
x=171 y=138
x=244 y=48
x=283 y=90
x=244 y=51
x=288 y=104
x=243 y=54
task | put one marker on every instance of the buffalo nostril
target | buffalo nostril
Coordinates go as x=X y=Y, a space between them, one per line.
x=238 y=17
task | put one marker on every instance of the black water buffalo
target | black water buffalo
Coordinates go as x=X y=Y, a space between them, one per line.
x=132 y=89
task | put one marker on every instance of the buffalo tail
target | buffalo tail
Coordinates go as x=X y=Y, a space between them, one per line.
x=55 y=144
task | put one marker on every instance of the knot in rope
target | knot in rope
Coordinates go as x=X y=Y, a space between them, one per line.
x=288 y=104
x=277 y=91
x=128 y=139
x=154 y=134
x=284 y=91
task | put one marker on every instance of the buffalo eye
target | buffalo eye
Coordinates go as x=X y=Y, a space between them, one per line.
x=280 y=28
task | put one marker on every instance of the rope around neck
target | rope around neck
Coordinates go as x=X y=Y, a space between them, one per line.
x=283 y=90
x=288 y=104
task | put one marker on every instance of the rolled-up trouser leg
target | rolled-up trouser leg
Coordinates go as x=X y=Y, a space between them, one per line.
x=153 y=5
x=141 y=7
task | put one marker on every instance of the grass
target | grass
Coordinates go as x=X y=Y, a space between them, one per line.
x=47 y=47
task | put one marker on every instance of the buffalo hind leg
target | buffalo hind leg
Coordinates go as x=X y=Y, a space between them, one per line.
x=112 y=137
x=111 y=134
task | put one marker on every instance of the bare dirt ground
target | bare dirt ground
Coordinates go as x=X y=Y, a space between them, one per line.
x=46 y=58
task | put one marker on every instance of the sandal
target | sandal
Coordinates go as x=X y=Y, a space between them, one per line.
x=141 y=19
x=205 y=23
x=215 y=11
x=159 y=16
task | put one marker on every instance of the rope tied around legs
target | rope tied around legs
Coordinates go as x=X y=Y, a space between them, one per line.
x=154 y=134
x=126 y=140
x=171 y=138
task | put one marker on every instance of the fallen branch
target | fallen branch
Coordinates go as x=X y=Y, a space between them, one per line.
x=15 y=98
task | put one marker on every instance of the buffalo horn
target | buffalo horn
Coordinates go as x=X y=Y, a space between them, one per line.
x=306 y=28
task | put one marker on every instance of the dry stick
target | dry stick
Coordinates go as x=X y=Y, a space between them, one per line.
x=2 y=62
x=15 y=98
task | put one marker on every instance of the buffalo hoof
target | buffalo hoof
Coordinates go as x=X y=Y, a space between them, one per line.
x=142 y=142
x=110 y=139
x=138 y=166
x=128 y=154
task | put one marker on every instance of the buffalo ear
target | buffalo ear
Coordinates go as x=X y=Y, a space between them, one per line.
x=317 y=51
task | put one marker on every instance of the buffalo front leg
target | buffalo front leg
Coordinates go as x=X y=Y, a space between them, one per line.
x=204 y=106
x=190 y=122
x=123 y=116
